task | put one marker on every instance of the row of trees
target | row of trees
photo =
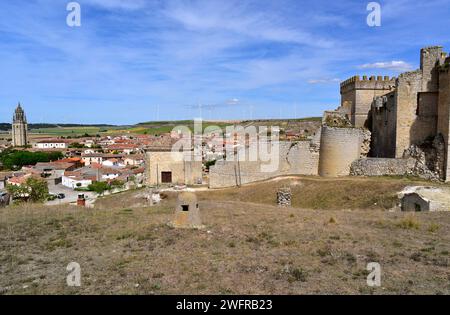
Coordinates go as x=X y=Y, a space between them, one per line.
x=14 y=160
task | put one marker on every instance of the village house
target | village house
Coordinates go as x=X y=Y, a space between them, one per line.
x=98 y=158
x=124 y=148
x=51 y=144
x=134 y=160
x=20 y=178
x=113 y=162
x=54 y=170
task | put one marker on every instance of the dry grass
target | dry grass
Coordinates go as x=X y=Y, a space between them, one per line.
x=247 y=248
x=320 y=193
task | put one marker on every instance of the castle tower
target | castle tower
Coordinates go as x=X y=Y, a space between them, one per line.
x=358 y=94
x=19 y=128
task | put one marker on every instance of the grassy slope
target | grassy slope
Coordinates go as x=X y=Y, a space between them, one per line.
x=250 y=248
x=320 y=193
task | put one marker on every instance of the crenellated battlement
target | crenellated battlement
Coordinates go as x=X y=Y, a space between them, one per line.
x=368 y=83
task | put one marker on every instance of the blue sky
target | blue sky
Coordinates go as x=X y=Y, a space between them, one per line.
x=142 y=60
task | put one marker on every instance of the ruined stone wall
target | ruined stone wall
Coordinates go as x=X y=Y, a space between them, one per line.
x=301 y=158
x=384 y=120
x=416 y=112
x=430 y=57
x=348 y=98
x=417 y=101
x=339 y=147
x=382 y=167
x=443 y=125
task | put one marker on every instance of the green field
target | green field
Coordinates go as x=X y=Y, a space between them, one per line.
x=72 y=131
x=154 y=128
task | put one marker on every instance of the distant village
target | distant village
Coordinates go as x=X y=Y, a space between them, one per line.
x=382 y=128
x=118 y=160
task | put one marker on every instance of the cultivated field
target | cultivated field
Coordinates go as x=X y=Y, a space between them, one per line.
x=250 y=246
x=72 y=131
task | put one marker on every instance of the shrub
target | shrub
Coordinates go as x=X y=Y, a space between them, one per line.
x=98 y=187
x=298 y=274
x=433 y=227
x=409 y=223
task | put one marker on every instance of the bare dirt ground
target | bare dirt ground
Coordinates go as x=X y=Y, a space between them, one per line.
x=249 y=246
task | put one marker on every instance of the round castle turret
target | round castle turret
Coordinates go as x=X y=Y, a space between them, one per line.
x=339 y=148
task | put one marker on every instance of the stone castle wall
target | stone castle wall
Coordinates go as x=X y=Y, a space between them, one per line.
x=443 y=124
x=384 y=122
x=300 y=158
x=357 y=96
x=417 y=98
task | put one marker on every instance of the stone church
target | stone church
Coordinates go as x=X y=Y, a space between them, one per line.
x=19 y=128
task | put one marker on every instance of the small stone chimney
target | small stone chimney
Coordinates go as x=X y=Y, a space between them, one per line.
x=81 y=201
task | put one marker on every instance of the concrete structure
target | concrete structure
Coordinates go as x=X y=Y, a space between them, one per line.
x=4 y=198
x=420 y=199
x=167 y=167
x=19 y=128
x=339 y=147
x=187 y=212
x=81 y=201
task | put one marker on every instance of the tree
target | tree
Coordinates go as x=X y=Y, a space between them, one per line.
x=98 y=187
x=38 y=189
x=76 y=145
x=35 y=189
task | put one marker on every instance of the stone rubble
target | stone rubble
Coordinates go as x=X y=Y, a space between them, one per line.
x=284 y=197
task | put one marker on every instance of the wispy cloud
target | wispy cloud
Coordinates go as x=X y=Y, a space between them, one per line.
x=233 y=16
x=130 y=55
x=117 y=4
x=323 y=81
x=398 y=66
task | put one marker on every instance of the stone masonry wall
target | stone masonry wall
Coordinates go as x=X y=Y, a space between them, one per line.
x=339 y=147
x=443 y=126
x=382 y=167
x=358 y=93
x=301 y=158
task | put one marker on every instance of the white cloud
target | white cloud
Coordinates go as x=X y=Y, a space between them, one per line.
x=399 y=66
x=323 y=81
x=118 y=4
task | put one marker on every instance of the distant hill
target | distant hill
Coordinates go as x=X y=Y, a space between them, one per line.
x=181 y=122
x=6 y=126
